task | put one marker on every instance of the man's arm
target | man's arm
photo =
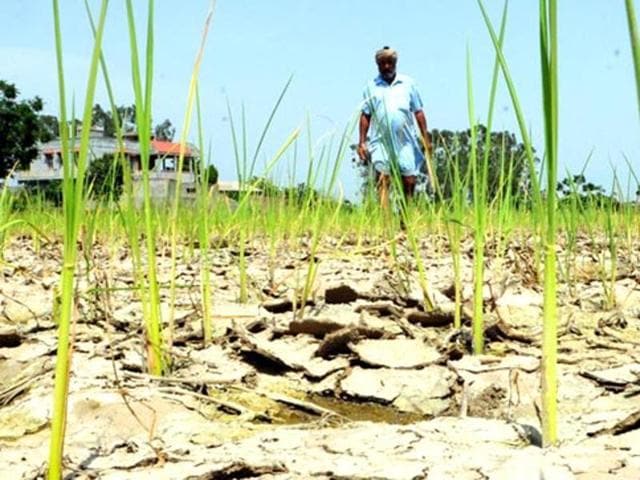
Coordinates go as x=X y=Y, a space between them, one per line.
x=363 y=151
x=421 y=119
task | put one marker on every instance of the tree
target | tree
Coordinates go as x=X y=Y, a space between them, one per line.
x=577 y=188
x=20 y=128
x=508 y=170
x=127 y=121
x=165 y=131
x=50 y=127
x=127 y=116
x=104 y=119
x=212 y=175
x=300 y=194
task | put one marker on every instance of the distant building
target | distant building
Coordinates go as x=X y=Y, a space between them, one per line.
x=228 y=186
x=163 y=161
x=11 y=183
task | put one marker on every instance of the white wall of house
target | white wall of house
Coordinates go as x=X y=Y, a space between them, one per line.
x=163 y=187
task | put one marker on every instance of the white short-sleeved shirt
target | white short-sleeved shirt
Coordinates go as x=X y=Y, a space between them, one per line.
x=392 y=108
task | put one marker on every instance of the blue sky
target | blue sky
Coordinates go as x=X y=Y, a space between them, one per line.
x=255 y=45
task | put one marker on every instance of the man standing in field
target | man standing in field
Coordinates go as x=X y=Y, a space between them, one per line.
x=393 y=105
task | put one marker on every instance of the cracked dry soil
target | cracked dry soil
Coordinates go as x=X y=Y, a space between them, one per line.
x=361 y=383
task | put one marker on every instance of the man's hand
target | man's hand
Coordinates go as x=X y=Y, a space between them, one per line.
x=425 y=139
x=363 y=153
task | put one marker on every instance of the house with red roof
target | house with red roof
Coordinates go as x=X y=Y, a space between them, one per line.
x=163 y=162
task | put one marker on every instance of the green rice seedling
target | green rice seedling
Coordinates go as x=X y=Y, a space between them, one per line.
x=245 y=175
x=6 y=210
x=479 y=175
x=367 y=214
x=128 y=210
x=125 y=207
x=6 y=201
x=617 y=221
x=5 y=215
x=35 y=218
x=241 y=219
x=549 y=64
x=504 y=202
x=590 y=216
x=631 y=209
x=455 y=230
x=321 y=216
x=88 y=234
x=311 y=219
x=191 y=100
x=570 y=212
x=153 y=321
x=243 y=295
x=73 y=206
x=395 y=216
x=479 y=182
x=598 y=216
x=536 y=196
x=574 y=211
x=203 y=206
x=414 y=244
x=409 y=220
x=609 y=263
x=308 y=221
x=272 y=218
x=312 y=170
x=454 y=209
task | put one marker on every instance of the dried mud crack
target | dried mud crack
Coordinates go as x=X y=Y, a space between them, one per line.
x=363 y=382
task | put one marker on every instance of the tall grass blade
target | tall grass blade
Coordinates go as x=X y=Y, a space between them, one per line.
x=536 y=196
x=73 y=211
x=478 y=257
x=203 y=229
x=549 y=62
x=128 y=211
x=191 y=96
x=480 y=179
x=153 y=320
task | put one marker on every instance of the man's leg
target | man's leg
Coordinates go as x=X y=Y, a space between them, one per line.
x=409 y=186
x=383 y=182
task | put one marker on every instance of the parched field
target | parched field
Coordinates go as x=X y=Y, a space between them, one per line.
x=362 y=382
x=285 y=332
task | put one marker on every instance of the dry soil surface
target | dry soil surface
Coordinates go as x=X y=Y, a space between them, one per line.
x=361 y=383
